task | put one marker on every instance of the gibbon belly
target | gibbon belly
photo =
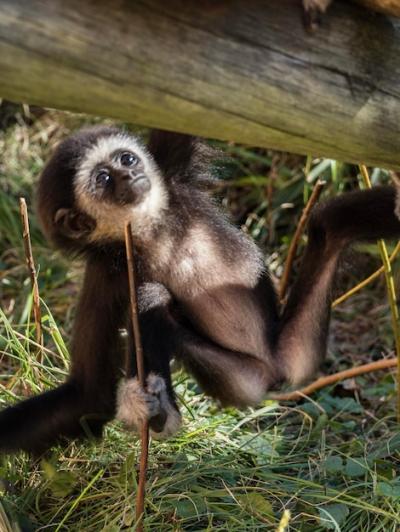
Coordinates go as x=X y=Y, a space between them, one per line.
x=229 y=315
x=217 y=292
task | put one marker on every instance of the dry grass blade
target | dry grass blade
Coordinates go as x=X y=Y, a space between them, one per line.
x=322 y=382
x=141 y=376
x=295 y=240
x=366 y=281
x=32 y=271
x=391 y=293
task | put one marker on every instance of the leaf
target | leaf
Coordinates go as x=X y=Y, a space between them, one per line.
x=385 y=469
x=127 y=473
x=340 y=404
x=260 y=446
x=387 y=448
x=321 y=423
x=356 y=467
x=189 y=507
x=333 y=516
x=49 y=471
x=333 y=464
x=129 y=517
x=111 y=528
x=63 y=484
x=389 y=489
x=256 y=504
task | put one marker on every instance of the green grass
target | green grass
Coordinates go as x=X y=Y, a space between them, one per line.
x=332 y=461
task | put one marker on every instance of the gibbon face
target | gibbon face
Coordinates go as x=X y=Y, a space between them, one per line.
x=114 y=180
x=118 y=178
x=117 y=181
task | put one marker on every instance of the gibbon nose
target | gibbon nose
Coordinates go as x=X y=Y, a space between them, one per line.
x=128 y=176
x=130 y=187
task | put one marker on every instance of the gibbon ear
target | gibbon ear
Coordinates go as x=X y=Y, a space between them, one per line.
x=74 y=224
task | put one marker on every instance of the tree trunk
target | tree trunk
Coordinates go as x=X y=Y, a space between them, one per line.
x=243 y=70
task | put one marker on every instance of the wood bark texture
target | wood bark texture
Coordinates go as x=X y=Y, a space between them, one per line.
x=244 y=70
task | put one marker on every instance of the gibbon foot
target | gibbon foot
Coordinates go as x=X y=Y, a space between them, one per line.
x=135 y=405
x=313 y=11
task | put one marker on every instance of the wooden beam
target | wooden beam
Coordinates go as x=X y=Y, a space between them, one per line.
x=243 y=70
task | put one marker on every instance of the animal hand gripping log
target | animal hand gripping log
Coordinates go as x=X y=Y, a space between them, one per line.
x=204 y=295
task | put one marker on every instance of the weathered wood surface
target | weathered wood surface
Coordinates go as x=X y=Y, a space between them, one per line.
x=243 y=70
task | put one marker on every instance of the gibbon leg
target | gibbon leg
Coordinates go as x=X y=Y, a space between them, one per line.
x=247 y=317
x=355 y=216
x=231 y=377
x=235 y=379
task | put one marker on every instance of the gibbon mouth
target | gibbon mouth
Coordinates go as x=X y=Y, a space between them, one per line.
x=140 y=184
x=140 y=177
x=132 y=192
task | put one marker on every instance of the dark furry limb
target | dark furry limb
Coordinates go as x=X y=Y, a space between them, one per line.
x=34 y=424
x=81 y=406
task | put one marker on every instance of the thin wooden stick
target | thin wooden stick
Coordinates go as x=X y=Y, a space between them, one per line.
x=366 y=281
x=141 y=375
x=394 y=311
x=322 y=382
x=295 y=240
x=32 y=271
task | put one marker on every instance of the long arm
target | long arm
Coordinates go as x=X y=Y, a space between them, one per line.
x=160 y=338
x=96 y=350
x=86 y=401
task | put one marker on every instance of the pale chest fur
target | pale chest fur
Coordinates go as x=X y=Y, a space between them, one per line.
x=201 y=264
x=216 y=287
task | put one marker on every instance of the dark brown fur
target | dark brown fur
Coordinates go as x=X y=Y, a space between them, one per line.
x=226 y=329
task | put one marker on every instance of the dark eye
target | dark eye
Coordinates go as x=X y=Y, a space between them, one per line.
x=103 y=178
x=128 y=159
